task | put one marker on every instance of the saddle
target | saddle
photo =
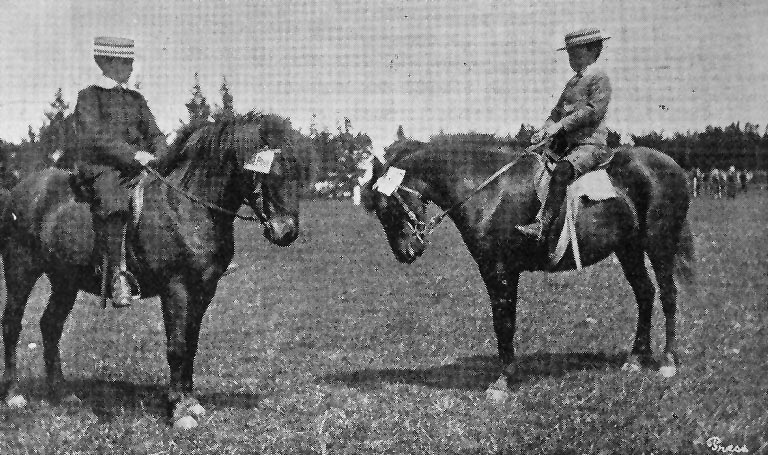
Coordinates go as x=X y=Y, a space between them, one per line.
x=595 y=185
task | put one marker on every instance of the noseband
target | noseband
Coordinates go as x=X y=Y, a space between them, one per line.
x=419 y=229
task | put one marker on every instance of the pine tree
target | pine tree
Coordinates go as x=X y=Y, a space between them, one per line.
x=400 y=134
x=313 y=126
x=614 y=139
x=58 y=106
x=227 y=110
x=198 y=108
x=55 y=134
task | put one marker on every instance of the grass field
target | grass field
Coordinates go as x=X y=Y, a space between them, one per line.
x=331 y=346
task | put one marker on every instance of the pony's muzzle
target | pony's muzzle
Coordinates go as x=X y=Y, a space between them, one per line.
x=282 y=231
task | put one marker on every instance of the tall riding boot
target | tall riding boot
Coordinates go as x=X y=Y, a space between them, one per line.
x=121 y=289
x=561 y=177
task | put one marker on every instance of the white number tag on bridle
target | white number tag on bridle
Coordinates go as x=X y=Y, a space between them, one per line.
x=390 y=181
x=261 y=161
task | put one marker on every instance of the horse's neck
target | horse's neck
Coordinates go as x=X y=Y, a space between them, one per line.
x=449 y=187
x=443 y=187
x=214 y=190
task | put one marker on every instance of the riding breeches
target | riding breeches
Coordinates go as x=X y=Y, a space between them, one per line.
x=110 y=209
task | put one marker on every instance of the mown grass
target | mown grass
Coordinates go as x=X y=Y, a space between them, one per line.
x=331 y=346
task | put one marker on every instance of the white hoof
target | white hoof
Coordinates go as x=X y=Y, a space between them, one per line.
x=185 y=423
x=497 y=396
x=16 y=402
x=71 y=400
x=668 y=371
x=197 y=410
x=631 y=367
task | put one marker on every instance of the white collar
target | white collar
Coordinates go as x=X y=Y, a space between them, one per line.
x=589 y=69
x=107 y=83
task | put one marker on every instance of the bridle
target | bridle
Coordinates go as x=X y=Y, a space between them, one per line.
x=260 y=217
x=421 y=229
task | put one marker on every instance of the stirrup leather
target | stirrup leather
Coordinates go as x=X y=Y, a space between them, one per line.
x=124 y=293
x=533 y=230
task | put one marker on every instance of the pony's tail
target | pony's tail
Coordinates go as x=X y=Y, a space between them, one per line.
x=685 y=257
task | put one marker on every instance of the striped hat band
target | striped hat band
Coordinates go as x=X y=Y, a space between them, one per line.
x=583 y=36
x=108 y=46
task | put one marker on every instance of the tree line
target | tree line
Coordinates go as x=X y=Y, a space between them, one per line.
x=716 y=147
x=329 y=160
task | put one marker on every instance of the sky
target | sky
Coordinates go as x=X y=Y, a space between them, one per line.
x=430 y=66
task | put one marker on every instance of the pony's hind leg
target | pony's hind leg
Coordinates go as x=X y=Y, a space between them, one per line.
x=663 y=267
x=60 y=303
x=633 y=263
x=20 y=278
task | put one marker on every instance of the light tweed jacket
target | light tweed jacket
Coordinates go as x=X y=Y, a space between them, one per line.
x=582 y=108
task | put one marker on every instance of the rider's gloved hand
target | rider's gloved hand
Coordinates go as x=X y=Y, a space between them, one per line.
x=546 y=132
x=144 y=157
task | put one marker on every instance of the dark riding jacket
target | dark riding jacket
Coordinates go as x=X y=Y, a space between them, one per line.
x=111 y=126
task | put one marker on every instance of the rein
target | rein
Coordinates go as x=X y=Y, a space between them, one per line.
x=421 y=229
x=209 y=205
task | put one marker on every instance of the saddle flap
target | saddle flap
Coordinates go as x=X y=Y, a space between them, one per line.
x=594 y=185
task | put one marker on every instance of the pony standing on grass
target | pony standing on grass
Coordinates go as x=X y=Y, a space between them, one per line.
x=647 y=217
x=178 y=248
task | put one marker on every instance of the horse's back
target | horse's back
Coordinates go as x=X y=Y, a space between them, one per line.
x=48 y=185
x=655 y=184
x=649 y=169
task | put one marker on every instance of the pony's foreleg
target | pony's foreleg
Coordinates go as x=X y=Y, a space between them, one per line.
x=63 y=295
x=196 y=311
x=20 y=278
x=502 y=290
x=632 y=260
x=181 y=315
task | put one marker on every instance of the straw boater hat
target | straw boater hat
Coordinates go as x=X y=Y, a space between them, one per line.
x=109 y=46
x=582 y=37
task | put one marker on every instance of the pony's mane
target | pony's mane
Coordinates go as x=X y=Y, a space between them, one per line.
x=215 y=148
x=456 y=149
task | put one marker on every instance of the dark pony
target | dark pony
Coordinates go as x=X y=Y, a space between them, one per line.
x=178 y=248
x=648 y=216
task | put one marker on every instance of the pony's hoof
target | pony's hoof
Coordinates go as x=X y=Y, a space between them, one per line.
x=668 y=366
x=16 y=402
x=668 y=371
x=197 y=410
x=496 y=396
x=71 y=400
x=185 y=423
x=633 y=364
x=497 y=392
x=631 y=367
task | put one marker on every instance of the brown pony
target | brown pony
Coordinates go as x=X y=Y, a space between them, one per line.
x=178 y=249
x=648 y=216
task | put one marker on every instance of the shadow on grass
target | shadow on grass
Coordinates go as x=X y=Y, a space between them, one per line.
x=477 y=372
x=109 y=398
